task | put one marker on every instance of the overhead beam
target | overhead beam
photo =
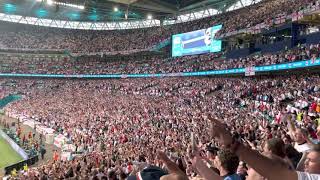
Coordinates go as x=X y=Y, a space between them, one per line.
x=196 y=5
x=152 y=5
x=124 y=1
x=156 y=6
x=213 y=3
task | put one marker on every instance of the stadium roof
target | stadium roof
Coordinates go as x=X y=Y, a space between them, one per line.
x=139 y=13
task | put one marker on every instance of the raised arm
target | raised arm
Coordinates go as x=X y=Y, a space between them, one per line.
x=291 y=126
x=264 y=165
x=268 y=168
x=174 y=170
x=204 y=170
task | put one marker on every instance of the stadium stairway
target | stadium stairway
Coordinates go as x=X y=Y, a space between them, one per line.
x=8 y=99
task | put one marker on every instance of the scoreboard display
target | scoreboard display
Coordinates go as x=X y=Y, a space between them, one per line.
x=196 y=42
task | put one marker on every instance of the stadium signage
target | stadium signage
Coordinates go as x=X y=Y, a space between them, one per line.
x=268 y=68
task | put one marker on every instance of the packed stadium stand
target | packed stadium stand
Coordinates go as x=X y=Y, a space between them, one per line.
x=171 y=98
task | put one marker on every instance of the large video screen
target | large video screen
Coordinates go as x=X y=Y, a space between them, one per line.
x=196 y=42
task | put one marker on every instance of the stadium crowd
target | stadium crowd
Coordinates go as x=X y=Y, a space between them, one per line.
x=121 y=124
x=33 y=37
x=175 y=128
x=261 y=13
x=153 y=64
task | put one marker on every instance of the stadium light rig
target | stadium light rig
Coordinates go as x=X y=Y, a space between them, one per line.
x=149 y=16
x=51 y=2
x=115 y=9
x=70 y=5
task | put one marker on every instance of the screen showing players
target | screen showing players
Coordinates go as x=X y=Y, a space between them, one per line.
x=196 y=42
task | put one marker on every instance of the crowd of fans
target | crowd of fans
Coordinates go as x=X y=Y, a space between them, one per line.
x=262 y=13
x=121 y=124
x=30 y=37
x=33 y=37
x=173 y=128
x=150 y=64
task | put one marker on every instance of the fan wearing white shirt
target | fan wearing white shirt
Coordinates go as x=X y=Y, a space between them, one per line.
x=299 y=136
x=301 y=144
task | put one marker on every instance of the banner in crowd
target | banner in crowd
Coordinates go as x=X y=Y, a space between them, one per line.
x=280 y=20
x=250 y=71
x=39 y=128
x=296 y=16
x=59 y=140
x=66 y=156
x=21 y=117
x=48 y=133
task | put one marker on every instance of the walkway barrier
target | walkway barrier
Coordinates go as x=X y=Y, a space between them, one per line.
x=18 y=166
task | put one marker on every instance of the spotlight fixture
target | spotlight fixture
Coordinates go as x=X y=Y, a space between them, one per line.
x=49 y=2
